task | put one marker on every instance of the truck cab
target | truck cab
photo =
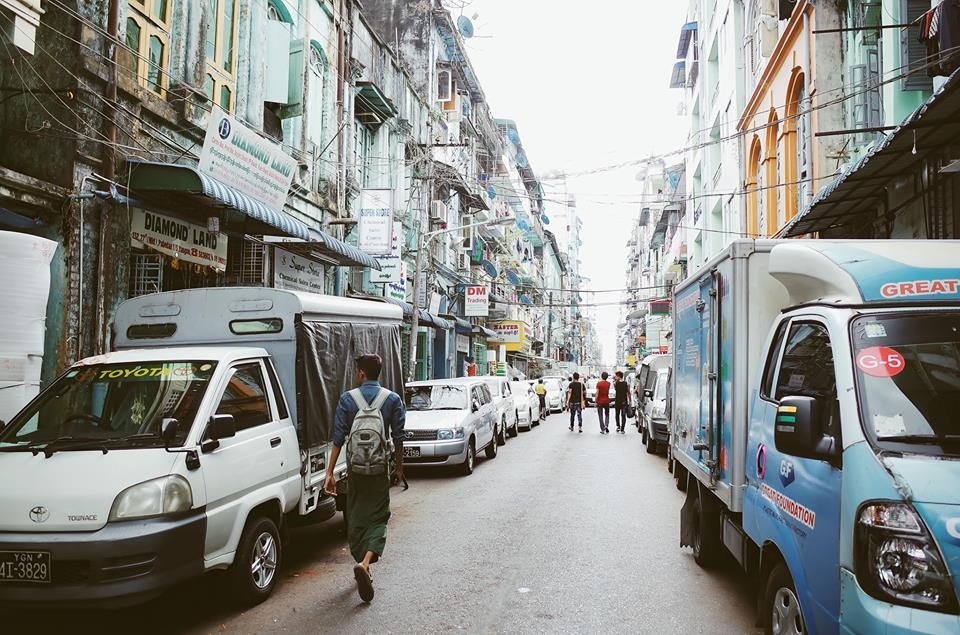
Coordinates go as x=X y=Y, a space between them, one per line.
x=829 y=473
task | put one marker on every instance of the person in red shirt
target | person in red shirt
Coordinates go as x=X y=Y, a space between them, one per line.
x=603 y=403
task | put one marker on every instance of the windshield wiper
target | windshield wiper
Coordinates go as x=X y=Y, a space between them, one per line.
x=49 y=447
x=924 y=439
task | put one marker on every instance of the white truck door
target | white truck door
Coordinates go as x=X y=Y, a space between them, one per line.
x=241 y=472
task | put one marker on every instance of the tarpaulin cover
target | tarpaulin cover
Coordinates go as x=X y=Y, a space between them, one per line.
x=326 y=368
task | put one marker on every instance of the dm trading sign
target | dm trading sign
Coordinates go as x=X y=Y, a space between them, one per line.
x=477 y=301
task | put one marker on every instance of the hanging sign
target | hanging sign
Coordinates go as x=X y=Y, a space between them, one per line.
x=296 y=273
x=390 y=265
x=238 y=157
x=476 y=301
x=397 y=290
x=375 y=222
x=178 y=239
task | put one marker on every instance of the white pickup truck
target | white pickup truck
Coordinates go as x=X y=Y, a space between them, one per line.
x=189 y=448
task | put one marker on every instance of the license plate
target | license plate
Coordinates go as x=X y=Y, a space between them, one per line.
x=411 y=453
x=25 y=566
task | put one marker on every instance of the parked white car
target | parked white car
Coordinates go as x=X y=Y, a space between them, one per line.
x=448 y=421
x=592 y=391
x=528 y=416
x=556 y=392
x=502 y=391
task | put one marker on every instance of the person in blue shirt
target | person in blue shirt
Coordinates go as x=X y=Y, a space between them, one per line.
x=367 y=509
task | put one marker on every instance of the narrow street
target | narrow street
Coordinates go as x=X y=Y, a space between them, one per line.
x=561 y=533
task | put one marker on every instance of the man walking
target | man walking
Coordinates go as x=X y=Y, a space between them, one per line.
x=370 y=421
x=576 y=401
x=603 y=403
x=541 y=391
x=621 y=401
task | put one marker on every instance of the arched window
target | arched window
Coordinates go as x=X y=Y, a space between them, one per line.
x=804 y=149
x=753 y=194
x=144 y=54
x=753 y=23
x=316 y=112
x=772 y=176
x=277 y=11
x=790 y=162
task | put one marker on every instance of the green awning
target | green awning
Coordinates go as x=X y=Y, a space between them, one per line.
x=372 y=107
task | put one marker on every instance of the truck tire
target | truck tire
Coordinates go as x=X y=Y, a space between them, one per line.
x=680 y=476
x=254 y=573
x=781 y=608
x=706 y=533
x=491 y=450
x=466 y=468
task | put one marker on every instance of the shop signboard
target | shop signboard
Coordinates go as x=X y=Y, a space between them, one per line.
x=463 y=343
x=390 y=264
x=178 y=239
x=477 y=300
x=514 y=334
x=238 y=157
x=296 y=273
x=397 y=290
x=375 y=220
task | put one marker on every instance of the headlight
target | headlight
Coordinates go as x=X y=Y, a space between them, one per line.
x=658 y=412
x=166 y=495
x=449 y=434
x=897 y=560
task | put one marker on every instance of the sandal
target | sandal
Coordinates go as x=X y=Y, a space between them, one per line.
x=364 y=583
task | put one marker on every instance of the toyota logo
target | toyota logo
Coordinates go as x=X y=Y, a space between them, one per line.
x=39 y=514
x=408 y=435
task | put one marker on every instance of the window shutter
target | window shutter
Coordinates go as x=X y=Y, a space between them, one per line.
x=874 y=96
x=913 y=53
x=858 y=73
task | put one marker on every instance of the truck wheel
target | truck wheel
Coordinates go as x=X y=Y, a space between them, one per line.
x=466 y=468
x=253 y=574
x=782 y=615
x=680 y=476
x=491 y=450
x=669 y=458
x=706 y=534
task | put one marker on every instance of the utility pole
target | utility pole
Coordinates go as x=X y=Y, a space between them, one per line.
x=418 y=267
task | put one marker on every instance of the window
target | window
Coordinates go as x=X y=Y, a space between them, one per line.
x=477 y=396
x=770 y=373
x=752 y=186
x=796 y=146
x=145 y=54
x=277 y=393
x=221 y=79
x=319 y=89
x=363 y=144
x=246 y=397
x=806 y=370
x=151 y=331
x=444 y=86
x=256 y=327
x=771 y=180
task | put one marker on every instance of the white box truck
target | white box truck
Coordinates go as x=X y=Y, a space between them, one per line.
x=191 y=447
x=815 y=392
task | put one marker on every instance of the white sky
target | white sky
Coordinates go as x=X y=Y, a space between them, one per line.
x=587 y=84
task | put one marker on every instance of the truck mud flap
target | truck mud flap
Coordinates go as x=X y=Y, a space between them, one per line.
x=687 y=517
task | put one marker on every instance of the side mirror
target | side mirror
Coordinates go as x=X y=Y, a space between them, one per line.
x=797 y=429
x=648 y=394
x=168 y=430
x=221 y=427
x=475 y=406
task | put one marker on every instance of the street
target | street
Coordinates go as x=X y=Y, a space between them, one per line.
x=561 y=533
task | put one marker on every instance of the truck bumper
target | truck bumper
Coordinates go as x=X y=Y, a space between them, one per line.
x=123 y=563
x=864 y=614
x=438 y=453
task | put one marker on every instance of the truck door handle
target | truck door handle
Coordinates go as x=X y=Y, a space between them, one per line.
x=274 y=442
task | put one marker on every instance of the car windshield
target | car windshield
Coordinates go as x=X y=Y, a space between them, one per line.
x=908 y=376
x=115 y=406
x=592 y=384
x=436 y=397
x=552 y=384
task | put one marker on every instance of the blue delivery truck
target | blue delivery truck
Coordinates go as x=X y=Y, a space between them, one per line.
x=815 y=427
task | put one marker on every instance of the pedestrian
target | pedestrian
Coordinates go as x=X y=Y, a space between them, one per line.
x=576 y=400
x=621 y=401
x=369 y=421
x=541 y=391
x=603 y=403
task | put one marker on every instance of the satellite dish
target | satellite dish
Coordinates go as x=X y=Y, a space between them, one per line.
x=522 y=224
x=525 y=299
x=465 y=26
x=490 y=268
x=491 y=191
x=513 y=136
x=512 y=277
x=522 y=160
x=543 y=217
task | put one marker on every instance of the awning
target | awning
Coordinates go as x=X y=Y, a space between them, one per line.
x=687 y=32
x=426 y=318
x=678 y=78
x=451 y=177
x=930 y=128
x=174 y=186
x=372 y=107
x=463 y=327
x=483 y=331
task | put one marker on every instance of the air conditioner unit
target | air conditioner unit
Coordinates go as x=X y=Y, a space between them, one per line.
x=438 y=211
x=670 y=277
x=463 y=262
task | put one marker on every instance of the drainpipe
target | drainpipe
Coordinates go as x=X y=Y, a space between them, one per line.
x=806 y=90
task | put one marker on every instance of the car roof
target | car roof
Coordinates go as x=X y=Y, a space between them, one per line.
x=453 y=381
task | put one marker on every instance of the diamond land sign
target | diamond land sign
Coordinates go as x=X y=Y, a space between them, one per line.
x=476 y=301
x=240 y=158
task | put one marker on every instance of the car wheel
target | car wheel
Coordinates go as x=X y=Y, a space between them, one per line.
x=515 y=430
x=501 y=435
x=533 y=422
x=466 y=468
x=253 y=574
x=706 y=535
x=782 y=614
x=651 y=442
x=491 y=450
x=645 y=439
